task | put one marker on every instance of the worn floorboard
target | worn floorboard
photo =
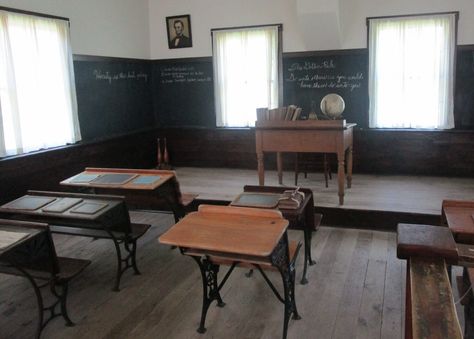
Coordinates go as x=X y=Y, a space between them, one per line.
x=355 y=289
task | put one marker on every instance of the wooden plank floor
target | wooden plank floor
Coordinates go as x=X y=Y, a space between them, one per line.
x=355 y=290
x=397 y=193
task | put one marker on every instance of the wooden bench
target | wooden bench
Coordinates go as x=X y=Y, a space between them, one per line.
x=110 y=222
x=430 y=311
x=34 y=257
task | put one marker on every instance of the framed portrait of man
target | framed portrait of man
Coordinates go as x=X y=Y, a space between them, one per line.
x=179 y=31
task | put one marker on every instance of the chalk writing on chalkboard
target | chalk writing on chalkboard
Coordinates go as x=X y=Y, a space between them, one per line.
x=308 y=75
x=109 y=77
x=182 y=74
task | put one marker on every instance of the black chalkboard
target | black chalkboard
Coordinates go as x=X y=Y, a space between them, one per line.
x=183 y=92
x=113 y=96
x=464 y=97
x=308 y=77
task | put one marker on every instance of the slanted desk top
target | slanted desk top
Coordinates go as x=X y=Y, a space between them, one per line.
x=459 y=217
x=133 y=179
x=228 y=230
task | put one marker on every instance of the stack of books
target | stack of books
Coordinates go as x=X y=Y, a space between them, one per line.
x=290 y=113
x=291 y=199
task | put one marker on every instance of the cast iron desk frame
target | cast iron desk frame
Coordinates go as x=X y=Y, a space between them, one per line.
x=101 y=225
x=151 y=196
x=309 y=137
x=278 y=258
x=36 y=248
x=303 y=218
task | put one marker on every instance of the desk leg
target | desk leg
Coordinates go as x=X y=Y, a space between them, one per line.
x=340 y=176
x=280 y=259
x=308 y=234
x=280 y=168
x=261 y=169
x=349 y=167
x=210 y=288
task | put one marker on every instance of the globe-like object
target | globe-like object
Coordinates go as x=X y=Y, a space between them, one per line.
x=332 y=105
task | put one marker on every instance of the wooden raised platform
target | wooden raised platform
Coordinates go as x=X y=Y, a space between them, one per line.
x=374 y=201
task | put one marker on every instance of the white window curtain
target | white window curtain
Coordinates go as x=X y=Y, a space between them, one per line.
x=245 y=74
x=411 y=72
x=38 y=107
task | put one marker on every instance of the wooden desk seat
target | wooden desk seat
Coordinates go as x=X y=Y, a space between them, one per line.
x=68 y=268
x=37 y=260
x=430 y=310
x=136 y=231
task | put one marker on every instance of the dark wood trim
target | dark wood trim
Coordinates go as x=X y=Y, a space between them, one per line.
x=354 y=218
x=355 y=51
x=465 y=47
x=78 y=144
x=42 y=15
x=412 y=15
x=97 y=58
x=183 y=60
x=280 y=27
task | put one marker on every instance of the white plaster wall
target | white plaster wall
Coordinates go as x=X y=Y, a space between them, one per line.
x=207 y=14
x=117 y=28
x=307 y=24
x=354 y=13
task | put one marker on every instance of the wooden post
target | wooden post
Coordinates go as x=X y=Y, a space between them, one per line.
x=166 y=158
x=159 y=159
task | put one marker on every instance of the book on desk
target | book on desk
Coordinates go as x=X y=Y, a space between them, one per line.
x=290 y=199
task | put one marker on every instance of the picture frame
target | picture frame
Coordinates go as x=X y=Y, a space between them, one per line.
x=178 y=28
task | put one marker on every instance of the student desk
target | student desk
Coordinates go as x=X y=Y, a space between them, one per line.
x=318 y=136
x=141 y=188
x=33 y=256
x=89 y=215
x=458 y=215
x=303 y=218
x=237 y=235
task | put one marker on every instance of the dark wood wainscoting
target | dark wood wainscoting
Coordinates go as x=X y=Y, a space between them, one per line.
x=445 y=153
x=45 y=169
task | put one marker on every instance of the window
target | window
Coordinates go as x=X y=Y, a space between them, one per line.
x=246 y=72
x=411 y=71
x=38 y=106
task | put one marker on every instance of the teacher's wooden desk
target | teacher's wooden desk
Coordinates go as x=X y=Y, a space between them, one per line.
x=141 y=188
x=217 y=235
x=311 y=136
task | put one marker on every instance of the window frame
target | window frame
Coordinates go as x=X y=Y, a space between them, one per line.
x=456 y=24
x=280 y=64
x=46 y=16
